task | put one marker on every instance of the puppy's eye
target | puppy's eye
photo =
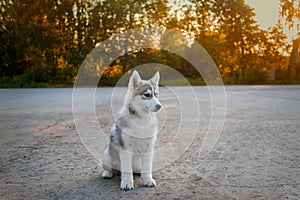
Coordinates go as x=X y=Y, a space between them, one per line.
x=147 y=95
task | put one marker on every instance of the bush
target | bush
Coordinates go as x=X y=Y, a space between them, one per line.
x=255 y=76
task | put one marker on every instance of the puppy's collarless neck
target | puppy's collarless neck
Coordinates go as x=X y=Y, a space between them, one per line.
x=133 y=111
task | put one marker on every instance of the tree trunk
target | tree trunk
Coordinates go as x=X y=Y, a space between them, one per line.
x=294 y=58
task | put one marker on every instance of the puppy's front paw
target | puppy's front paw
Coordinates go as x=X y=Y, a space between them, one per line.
x=149 y=182
x=127 y=184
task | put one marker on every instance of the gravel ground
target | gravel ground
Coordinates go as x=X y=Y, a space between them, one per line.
x=256 y=156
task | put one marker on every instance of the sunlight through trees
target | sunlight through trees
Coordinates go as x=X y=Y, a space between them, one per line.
x=43 y=43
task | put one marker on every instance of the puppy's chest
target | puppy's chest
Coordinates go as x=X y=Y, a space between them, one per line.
x=139 y=145
x=139 y=130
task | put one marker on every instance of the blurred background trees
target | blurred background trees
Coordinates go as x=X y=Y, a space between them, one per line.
x=44 y=42
x=290 y=12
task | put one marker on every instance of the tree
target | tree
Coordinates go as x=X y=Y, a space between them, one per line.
x=48 y=44
x=241 y=35
x=27 y=33
x=290 y=11
x=114 y=16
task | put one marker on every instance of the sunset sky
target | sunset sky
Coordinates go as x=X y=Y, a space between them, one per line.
x=267 y=12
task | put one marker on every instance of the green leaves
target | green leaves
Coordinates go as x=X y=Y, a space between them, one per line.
x=47 y=40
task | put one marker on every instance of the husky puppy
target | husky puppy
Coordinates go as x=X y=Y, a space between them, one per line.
x=132 y=137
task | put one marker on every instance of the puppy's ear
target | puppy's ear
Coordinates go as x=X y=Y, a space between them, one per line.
x=135 y=80
x=155 y=78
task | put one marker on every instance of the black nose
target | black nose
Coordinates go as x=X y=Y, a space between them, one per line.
x=157 y=106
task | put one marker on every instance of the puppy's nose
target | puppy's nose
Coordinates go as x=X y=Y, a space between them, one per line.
x=157 y=106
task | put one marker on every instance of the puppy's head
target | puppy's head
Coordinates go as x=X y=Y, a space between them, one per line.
x=144 y=93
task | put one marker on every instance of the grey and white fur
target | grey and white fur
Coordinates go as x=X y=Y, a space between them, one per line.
x=132 y=138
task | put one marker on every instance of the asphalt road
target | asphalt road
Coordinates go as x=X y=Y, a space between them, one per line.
x=257 y=155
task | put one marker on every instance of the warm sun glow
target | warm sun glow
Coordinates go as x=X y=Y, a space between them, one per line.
x=267 y=14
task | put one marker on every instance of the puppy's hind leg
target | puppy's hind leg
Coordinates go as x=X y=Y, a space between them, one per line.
x=107 y=164
x=107 y=173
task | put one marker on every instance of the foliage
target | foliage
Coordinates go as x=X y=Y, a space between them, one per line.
x=43 y=43
x=290 y=11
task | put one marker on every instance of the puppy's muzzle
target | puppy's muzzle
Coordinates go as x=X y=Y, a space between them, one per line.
x=156 y=108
